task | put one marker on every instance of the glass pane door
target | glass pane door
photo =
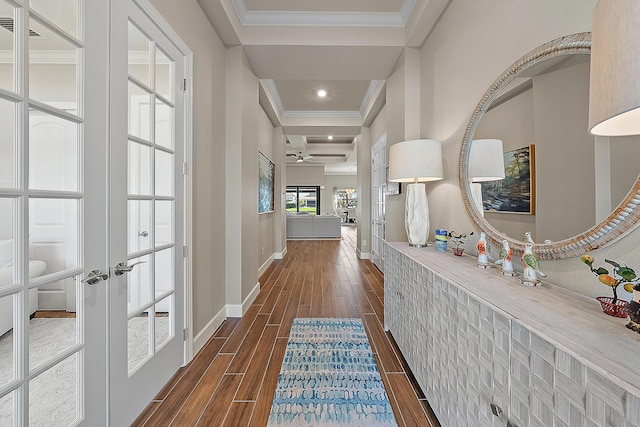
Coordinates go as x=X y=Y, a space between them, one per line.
x=46 y=337
x=151 y=162
x=147 y=202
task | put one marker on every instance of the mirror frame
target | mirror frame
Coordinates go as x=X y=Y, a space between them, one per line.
x=622 y=220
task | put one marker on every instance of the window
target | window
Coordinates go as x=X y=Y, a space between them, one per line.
x=347 y=198
x=303 y=200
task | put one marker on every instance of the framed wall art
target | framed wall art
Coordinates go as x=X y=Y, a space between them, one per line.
x=266 y=184
x=516 y=193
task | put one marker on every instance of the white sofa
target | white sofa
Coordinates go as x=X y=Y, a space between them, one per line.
x=313 y=226
x=36 y=268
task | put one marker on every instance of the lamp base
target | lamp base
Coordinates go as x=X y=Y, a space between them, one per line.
x=416 y=219
x=418 y=245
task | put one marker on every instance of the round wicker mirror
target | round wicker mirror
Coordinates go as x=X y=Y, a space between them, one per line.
x=619 y=222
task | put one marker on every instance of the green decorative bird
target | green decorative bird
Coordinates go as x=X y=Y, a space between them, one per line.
x=506 y=266
x=531 y=264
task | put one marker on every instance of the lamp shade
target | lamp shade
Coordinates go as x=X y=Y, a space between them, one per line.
x=486 y=160
x=614 y=91
x=415 y=160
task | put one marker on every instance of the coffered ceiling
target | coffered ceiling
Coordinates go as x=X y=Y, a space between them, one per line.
x=346 y=47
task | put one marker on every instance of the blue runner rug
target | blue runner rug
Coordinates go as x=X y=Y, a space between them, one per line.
x=329 y=377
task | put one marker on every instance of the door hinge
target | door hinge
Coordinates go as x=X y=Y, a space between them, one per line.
x=185 y=168
x=184 y=252
x=184 y=334
x=184 y=85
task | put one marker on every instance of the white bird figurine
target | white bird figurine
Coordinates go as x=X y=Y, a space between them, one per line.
x=482 y=247
x=505 y=259
x=531 y=267
x=527 y=238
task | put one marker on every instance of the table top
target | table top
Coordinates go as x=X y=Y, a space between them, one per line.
x=571 y=321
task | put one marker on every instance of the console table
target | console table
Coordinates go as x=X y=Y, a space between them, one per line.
x=488 y=351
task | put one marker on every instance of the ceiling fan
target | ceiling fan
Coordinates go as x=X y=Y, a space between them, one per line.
x=300 y=158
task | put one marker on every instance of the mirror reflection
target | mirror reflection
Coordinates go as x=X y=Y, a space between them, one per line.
x=578 y=179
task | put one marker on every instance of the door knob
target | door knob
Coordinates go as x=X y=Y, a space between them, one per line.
x=122 y=267
x=94 y=277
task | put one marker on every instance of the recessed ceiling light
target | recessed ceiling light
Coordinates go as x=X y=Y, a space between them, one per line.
x=330 y=137
x=322 y=93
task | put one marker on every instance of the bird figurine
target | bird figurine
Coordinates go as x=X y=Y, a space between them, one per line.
x=527 y=238
x=506 y=266
x=531 y=267
x=482 y=247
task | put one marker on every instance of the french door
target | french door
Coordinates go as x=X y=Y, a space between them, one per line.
x=146 y=210
x=91 y=211
x=378 y=200
x=53 y=143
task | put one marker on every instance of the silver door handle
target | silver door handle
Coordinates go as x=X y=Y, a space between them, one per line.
x=94 y=277
x=122 y=267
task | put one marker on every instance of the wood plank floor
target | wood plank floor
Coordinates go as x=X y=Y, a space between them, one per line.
x=231 y=381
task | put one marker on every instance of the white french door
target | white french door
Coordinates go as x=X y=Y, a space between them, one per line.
x=91 y=156
x=146 y=210
x=378 y=201
x=52 y=212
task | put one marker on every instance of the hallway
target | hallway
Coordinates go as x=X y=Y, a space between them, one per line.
x=232 y=379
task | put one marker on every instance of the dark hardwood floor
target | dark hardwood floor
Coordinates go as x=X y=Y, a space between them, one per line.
x=231 y=381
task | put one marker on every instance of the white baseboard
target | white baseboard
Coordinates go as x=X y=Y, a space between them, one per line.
x=280 y=255
x=237 y=310
x=207 y=332
x=266 y=265
x=363 y=255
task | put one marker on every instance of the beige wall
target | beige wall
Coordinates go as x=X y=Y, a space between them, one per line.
x=305 y=175
x=474 y=42
x=395 y=107
x=243 y=129
x=209 y=171
x=279 y=225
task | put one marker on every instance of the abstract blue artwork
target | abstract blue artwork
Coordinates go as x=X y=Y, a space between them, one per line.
x=266 y=175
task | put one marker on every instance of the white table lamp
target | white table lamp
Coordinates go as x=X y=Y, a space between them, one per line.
x=416 y=161
x=614 y=90
x=486 y=163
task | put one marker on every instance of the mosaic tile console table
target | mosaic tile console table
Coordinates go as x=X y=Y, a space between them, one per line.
x=487 y=351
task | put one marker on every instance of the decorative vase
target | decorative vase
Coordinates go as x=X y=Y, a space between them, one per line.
x=608 y=307
x=458 y=251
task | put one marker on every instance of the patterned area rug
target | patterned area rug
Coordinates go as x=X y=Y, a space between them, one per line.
x=329 y=377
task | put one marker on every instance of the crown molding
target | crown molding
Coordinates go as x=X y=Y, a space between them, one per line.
x=323 y=19
x=322 y=114
x=275 y=96
x=367 y=96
